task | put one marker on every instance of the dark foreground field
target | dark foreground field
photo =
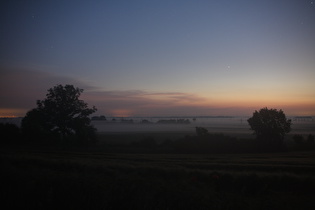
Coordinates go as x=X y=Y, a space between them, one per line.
x=37 y=179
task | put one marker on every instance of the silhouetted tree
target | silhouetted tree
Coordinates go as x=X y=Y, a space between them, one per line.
x=61 y=114
x=270 y=126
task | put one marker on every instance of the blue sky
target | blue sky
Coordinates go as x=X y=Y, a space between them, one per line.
x=161 y=57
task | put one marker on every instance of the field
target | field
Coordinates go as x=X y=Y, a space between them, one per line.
x=47 y=179
x=153 y=166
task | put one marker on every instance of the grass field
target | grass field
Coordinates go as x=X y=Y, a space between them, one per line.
x=156 y=168
x=46 y=179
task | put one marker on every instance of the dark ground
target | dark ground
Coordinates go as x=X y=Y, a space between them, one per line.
x=45 y=178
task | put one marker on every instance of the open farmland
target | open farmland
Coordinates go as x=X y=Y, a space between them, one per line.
x=90 y=180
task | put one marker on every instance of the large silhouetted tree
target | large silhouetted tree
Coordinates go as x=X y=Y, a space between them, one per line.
x=270 y=126
x=60 y=115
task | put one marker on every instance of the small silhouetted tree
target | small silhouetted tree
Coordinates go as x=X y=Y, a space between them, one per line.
x=60 y=115
x=270 y=127
x=201 y=131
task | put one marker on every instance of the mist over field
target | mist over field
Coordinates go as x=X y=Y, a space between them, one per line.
x=235 y=126
x=230 y=125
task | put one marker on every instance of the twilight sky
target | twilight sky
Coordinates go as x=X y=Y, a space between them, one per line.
x=160 y=57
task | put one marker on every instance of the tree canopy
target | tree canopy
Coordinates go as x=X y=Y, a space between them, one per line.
x=61 y=114
x=270 y=125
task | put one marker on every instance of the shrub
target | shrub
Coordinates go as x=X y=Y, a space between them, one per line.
x=298 y=139
x=310 y=139
x=9 y=133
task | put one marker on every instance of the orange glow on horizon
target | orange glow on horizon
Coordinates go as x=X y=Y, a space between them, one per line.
x=8 y=116
x=263 y=100
x=12 y=113
x=121 y=112
x=190 y=104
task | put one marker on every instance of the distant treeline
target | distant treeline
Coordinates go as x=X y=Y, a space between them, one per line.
x=123 y=120
x=102 y=117
x=174 y=121
x=303 y=118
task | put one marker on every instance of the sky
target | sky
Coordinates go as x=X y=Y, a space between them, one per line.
x=160 y=57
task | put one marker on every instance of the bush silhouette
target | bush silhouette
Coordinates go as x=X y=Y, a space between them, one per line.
x=9 y=133
x=270 y=127
x=310 y=139
x=298 y=139
x=200 y=131
x=61 y=115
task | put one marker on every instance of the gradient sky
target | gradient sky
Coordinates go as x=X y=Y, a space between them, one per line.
x=160 y=57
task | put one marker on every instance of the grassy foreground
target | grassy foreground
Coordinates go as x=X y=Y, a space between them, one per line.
x=37 y=179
